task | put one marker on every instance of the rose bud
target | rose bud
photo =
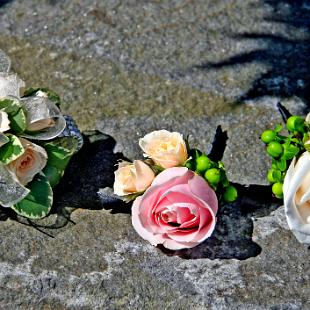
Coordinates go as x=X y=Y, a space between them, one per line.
x=32 y=161
x=132 y=178
x=296 y=192
x=167 y=149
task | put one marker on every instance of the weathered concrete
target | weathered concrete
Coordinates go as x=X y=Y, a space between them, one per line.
x=128 y=67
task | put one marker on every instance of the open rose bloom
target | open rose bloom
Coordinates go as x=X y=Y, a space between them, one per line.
x=296 y=190
x=31 y=162
x=178 y=210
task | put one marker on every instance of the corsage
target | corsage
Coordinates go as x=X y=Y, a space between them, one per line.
x=36 y=144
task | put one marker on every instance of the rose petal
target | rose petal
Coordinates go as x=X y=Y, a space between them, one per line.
x=137 y=224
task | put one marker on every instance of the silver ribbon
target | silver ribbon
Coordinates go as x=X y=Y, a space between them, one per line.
x=11 y=191
x=39 y=108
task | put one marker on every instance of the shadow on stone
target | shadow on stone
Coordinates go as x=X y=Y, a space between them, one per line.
x=232 y=237
x=287 y=58
x=92 y=168
x=4 y=2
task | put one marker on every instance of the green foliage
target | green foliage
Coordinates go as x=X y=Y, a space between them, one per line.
x=283 y=149
x=213 y=172
x=18 y=121
x=11 y=150
x=59 y=152
x=38 y=202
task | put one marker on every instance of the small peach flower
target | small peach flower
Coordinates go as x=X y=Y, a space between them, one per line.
x=132 y=178
x=31 y=162
x=167 y=149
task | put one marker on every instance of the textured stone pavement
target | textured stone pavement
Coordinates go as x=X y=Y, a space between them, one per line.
x=128 y=67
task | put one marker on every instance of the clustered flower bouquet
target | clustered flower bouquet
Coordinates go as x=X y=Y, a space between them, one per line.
x=36 y=144
x=175 y=191
x=290 y=172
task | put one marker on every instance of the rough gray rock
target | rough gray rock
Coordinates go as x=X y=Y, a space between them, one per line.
x=128 y=67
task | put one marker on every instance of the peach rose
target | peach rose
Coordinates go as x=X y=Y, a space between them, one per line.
x=178 y=210
x=32 y=161
x=296 y=192
x=4 y=121
x=132 y=178
x=167 y=149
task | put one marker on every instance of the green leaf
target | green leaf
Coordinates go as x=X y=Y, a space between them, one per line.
x=10 y=105
x=290 y=151
x=278 y=128
x=281 y=164
x=50 y=94
x=60 y=151
x=38 y=202
x=11 y=150
x=307 y=147
x=53 y=174
x=18 y=121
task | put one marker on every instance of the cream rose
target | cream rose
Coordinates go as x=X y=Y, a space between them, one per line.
x=32 y=161
x=167 y=149
x=132 y=178
x=4 y=121
x=296 y=191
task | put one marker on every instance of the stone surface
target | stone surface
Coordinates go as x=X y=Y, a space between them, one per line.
x=128 y=67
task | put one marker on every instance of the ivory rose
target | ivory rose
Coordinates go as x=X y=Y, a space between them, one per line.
x=4 y=121
x=32 y=161
x=177 y=211
x=296 y=191
x=167 y=149
x=132 y=178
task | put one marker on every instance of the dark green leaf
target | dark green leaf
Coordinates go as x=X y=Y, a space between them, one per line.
x=11 y=150
x=38 y=202
x=10 y=105
x=18 y=121
x=60 y=151
x=53 y=174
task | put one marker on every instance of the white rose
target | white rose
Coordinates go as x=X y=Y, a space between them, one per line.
x=4 y=121
x=296 y=191
x=31 y=162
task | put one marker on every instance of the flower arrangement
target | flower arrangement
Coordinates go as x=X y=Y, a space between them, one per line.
x=36 y=144
x=290 y=172
x=175 y=191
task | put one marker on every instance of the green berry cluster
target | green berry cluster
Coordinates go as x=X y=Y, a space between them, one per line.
x=214 y=173
x=283 y=149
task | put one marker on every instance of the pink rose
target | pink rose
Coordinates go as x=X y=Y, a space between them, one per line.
x=178 y=210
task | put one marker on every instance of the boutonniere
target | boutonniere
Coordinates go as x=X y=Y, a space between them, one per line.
x=290 y=171
x=175 y=191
